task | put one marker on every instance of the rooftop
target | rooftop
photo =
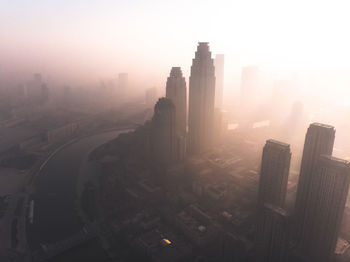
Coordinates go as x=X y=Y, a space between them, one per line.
x=176 y=72
x=322 y=125
x=336 y=161
x=278 y=143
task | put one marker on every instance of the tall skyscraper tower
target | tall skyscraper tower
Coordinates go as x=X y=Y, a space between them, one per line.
x=201 y=100
x=176 y=92
x=325 y=208
x=219 y=73
x=274 y=173
x=271 y=241
x=319 y=141
x=163 y=132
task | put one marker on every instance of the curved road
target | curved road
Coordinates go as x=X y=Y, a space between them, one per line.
x=55 y=216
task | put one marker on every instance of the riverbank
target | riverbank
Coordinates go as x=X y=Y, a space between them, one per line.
x=56 y=192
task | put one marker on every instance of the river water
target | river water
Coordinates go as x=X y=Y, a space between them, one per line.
x=55 y=216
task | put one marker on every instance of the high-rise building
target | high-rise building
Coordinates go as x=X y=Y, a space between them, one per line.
x=271 y=241
x=176 y=91
x=325 y=208
x=201 y=100
x=219 y=73
x=274 y=173
x=163 y=132
x=319 y=141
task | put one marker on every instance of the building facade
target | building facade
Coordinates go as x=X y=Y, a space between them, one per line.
x=176 y=91
x=271 y=242
x=319 y=140
x=163 y=132
x=325 y=208
x=274 y=173
x=201 y=100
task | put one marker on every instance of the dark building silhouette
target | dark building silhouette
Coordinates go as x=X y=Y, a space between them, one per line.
x=176 y=91
x=325 y=208
x=271 y=241
x=274 y=173
x=163 y=132
x=233 y=248
x=219 y=74
x=201 y=100
x=319 y=140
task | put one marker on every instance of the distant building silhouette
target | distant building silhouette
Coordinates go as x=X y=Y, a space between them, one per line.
x=201 y=100
x=274 y=173
x=219 y=74
x=319 y=140
x=176 y=91
x=37 y=91
x=271 y=241
x=325 y=208
x=163 y=132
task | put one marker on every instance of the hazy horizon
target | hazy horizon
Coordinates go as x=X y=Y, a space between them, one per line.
x=88 y=40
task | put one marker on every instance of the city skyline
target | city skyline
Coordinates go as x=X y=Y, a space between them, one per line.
x=108 y=44
x=212 y=131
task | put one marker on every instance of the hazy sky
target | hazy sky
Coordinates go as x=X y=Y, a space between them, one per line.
x=103 y=37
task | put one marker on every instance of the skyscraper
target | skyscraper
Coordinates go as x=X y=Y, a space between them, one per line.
x=325 y=208
x=271 y=241
x=201 y=100
x=319 y=140
x=219 y=73
x=274 y=173
x=163 y=132
x=176 y=91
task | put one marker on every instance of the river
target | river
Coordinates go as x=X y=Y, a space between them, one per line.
x=55 y=216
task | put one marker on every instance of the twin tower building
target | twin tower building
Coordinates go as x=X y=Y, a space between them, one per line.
x=310 y=233
x=170 y=137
